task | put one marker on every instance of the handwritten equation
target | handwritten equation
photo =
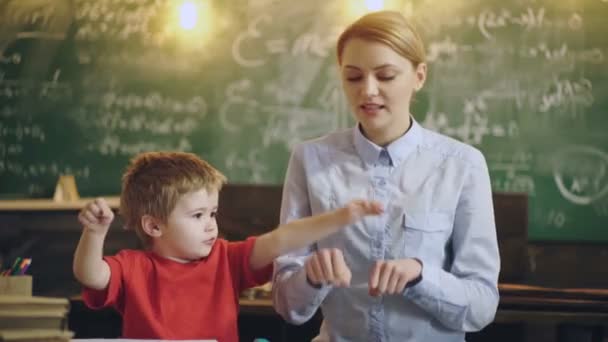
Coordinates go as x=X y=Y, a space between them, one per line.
x=512 y=172
x=448 y=48
x=114 y=145
x=246 y=46
x=488 y=21
x=475 y=122
x=34 y=20
x=45 y=90
x=35 y=170
x=281 y=123
x=153 y=121
x=120 y=20
x=581 y=174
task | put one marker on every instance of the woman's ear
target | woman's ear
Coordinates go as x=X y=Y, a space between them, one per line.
x=151 y=226
x=420 y=76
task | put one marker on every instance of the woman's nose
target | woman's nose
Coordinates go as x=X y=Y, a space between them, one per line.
x=370 y=87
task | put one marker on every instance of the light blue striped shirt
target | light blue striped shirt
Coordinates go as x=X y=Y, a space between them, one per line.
x=438 y=208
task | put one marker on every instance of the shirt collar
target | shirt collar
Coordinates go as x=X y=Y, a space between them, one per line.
x=398 y=150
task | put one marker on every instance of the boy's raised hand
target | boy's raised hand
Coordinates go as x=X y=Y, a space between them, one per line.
x=96 y=216
x=357 y=209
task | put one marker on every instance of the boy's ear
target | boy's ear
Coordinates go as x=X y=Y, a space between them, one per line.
x=151 y=226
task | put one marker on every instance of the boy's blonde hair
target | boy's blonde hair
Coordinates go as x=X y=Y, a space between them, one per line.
x=154 y=182
x=389 y=28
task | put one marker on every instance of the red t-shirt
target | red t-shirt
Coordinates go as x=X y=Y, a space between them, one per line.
x=162 y=299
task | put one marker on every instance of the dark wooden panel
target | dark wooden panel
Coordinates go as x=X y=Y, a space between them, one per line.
x=511 y=216
x=568 y=265
x=246 y=210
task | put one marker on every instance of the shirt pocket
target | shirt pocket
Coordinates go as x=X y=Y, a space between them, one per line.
x=425 y=235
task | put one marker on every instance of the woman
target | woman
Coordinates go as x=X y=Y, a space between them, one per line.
x=427 y=269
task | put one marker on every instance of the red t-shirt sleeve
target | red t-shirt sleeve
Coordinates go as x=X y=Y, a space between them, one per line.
x=239 y=254
x=113 y=294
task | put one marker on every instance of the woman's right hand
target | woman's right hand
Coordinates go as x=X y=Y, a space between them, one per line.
x=96 y=216
x=327 y=267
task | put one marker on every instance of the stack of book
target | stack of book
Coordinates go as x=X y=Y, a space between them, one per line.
x=26 y=318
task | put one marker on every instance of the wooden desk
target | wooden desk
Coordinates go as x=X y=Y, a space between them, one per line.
x=563 y=310
x=256 y=306
x=517 y=303
x=566 y=314
x=50 y=205
x=570 y=314
x=554 y=314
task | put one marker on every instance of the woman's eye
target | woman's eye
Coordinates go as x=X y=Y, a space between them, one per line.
x=354 y=78
x=214 y=214
x=198 y=215
x=386 y=77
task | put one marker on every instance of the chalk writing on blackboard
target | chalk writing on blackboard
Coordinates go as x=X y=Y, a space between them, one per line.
x=581 y=174
x=567 y=96
x=250 y=163
x=513 y=172
x=314 y=43
x=556 y=219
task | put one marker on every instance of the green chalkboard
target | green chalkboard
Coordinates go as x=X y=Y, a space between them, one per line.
x=86 y=84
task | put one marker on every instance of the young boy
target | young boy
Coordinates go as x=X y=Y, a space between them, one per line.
x=186 y=285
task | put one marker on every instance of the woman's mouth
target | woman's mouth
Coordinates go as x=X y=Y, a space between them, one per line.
x=371 y=109
x=209 y=242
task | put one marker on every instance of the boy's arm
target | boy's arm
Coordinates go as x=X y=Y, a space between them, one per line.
x=89 y=267
x=300 y=233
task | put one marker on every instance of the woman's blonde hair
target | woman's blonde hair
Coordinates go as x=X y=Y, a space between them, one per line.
x=386 y=27
x=155 y=181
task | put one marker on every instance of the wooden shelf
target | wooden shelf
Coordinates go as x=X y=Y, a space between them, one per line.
x=50 y=205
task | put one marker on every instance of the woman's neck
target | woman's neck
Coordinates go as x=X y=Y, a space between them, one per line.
x=386 y=137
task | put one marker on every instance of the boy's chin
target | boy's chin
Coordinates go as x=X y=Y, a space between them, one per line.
x=205 y=253
x=197 y=255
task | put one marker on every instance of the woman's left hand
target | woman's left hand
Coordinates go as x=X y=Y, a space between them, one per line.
x=391 y=276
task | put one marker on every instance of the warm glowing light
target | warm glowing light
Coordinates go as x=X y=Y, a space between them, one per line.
x=374 y=5
x=188 y=15
x=357 y=8
x=190 y=23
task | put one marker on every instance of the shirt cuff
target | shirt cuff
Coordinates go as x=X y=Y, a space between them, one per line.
x=426 y=285
x=416 y=280
x=307 y=290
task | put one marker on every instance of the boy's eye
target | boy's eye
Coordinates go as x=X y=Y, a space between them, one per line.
x=198 y=215
x=214 y=214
